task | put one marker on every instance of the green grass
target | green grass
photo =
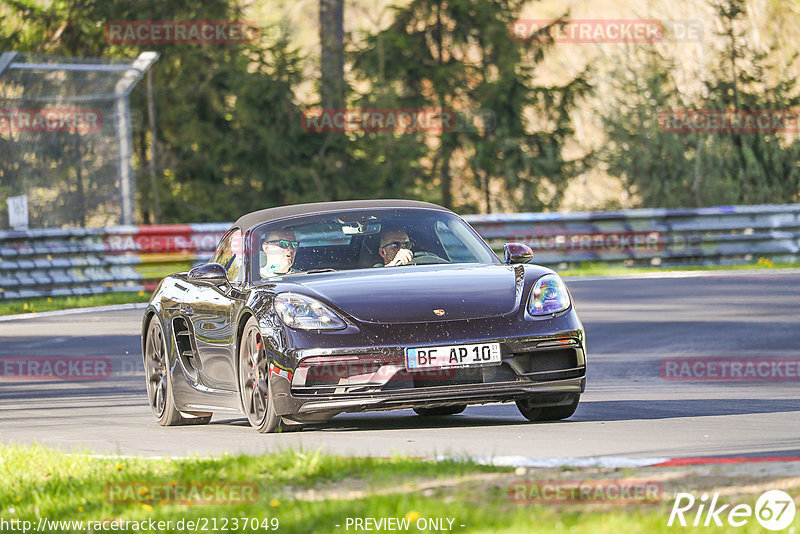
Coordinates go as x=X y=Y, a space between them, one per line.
x=306 y=492
x=40 y=304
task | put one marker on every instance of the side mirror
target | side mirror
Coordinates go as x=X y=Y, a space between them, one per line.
x=517 y=253
x=211 y=273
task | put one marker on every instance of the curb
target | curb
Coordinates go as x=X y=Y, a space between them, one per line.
x=614 y=462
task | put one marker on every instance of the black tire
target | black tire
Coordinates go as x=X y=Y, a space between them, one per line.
x=158 y=381
x=441 y=410
x=254 y=387
x=547 y=413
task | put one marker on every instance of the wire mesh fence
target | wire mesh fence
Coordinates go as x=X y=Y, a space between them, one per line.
x=66 y=138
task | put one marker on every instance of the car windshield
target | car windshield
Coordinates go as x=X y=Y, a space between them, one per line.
x=363 y=239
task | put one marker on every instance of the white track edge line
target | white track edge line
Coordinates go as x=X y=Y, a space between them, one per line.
x=591 y=461
x=73 y=311
x=683 y=274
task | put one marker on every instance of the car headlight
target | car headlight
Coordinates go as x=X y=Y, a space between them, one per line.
x=306 y=313
x=549 y=295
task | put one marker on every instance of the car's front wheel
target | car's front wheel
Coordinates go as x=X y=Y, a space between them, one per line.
x=532 y=411
x=158 y=379
x=254 y=388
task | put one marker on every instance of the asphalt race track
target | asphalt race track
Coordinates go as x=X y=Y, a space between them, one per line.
x=629 y=410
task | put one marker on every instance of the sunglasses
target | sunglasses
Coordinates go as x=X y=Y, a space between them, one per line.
x=398 y=245
x=283 y=243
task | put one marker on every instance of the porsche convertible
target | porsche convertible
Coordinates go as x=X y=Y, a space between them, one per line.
x=308 y=311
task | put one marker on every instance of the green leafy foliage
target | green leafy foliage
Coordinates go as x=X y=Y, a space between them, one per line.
x=671 y=169
x=229 y=131
x=458 y=55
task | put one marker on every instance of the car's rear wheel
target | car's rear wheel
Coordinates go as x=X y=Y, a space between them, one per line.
x=254 y=387
x=441 y=410
x=528 y=407
x=158 y=380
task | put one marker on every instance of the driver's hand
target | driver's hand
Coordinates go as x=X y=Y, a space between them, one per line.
x=402 y=257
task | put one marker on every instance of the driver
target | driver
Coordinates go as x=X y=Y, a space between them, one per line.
x=280 y=246
x=395 y=248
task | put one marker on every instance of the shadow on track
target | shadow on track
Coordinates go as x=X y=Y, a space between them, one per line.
x=637 y=410
x=507 y=415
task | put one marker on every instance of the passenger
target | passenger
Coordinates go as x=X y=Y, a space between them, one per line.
x=280 y=246
x=395 y=248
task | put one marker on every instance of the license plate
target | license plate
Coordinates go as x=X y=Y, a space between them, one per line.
x=453 y=356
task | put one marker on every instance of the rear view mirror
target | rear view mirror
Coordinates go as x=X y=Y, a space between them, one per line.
x=517 y=253
x=211 y=273
x=357 y=228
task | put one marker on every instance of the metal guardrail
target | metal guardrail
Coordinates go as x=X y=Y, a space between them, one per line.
x=667 y=237
x=54 y=262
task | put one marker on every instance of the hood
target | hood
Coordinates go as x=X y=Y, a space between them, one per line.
x=411 y=294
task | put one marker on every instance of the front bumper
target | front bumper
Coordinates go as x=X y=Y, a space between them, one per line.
x=551 y=369
x=543 y=360
x=548 y=393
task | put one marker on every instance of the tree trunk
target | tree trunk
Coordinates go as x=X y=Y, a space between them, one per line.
x=487 y=194
x=444 y=151
x=697 y=173
x=331 y=36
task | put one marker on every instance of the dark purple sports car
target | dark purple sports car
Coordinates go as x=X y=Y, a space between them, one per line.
x=312 y=310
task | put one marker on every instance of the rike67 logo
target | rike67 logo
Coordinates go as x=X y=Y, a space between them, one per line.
x=774 y=510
